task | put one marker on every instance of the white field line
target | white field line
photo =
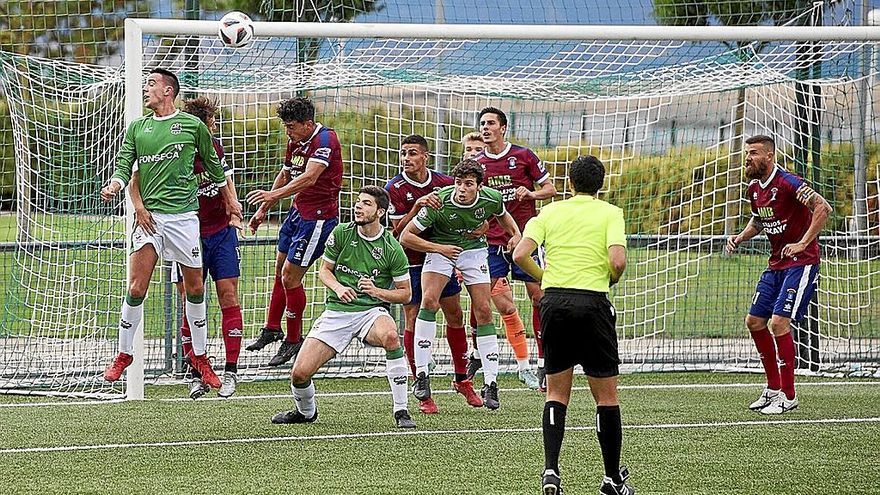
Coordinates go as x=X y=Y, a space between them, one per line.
x=381 y=393
x=400 y=433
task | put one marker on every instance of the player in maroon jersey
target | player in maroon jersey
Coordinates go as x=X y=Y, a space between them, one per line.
x=409 y=191
x=312 y=172
x=514 y=171
x=220 y=255
x=792 y=214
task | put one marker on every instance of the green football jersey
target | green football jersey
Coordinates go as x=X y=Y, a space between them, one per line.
x=165 y=149
x=451 y=221
x=381 y=259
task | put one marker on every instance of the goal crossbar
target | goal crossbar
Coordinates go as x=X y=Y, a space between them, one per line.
x=517 y=31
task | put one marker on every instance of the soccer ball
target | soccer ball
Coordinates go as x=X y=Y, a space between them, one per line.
x=236 y=29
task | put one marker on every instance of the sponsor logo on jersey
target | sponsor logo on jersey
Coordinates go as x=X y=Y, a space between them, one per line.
x=172 y=154
x=176 y=128
x=480 y=213
x=765 y=212
x=511 y=163
x=376 y=253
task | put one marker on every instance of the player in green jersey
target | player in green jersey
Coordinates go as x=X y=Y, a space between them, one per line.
x=366 y=271
x=465 y=206
x=165 y=145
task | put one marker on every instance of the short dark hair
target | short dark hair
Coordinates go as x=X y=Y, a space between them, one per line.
x=201 y=107
x=380 y=194
x=170 y=79
x=502 y=118
x=586 y=174
x=767 y=141
x=297 y=109
x=415 y=139
x=468 y=168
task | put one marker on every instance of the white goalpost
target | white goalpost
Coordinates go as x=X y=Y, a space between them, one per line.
x=666 y=109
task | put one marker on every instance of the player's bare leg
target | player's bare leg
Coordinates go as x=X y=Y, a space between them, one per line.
x=312 y=356
x=295 y=295
x=384 y=334
x=271 y=331
x=231 y=325
x=197 y=317
x=143 y=261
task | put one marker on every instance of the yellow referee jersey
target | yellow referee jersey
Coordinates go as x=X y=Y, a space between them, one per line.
x=576 y=234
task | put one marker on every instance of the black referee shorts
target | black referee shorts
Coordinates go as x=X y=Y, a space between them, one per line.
x=577 y=327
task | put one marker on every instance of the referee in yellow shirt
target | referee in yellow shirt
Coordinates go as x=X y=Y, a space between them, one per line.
x=584 y=254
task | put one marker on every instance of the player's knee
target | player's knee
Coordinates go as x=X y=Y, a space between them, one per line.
x=779 y=325
x=227 y=299
x=755 y=324
x=455 y=317
x=299 y=375
x=390 y=340
x=137 y=291
x=430 y=303
x=482 y=313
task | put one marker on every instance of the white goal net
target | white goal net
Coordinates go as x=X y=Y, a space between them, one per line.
x=667 y=114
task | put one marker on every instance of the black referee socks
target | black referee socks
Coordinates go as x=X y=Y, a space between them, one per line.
x=554 y=430
x=610 y=433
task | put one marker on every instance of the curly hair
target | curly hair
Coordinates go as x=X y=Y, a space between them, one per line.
x=468 y=168
x=201 y=107
x=297 y=109
x=587 y=174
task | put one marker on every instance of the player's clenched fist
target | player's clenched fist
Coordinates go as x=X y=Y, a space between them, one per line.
x=449 y=251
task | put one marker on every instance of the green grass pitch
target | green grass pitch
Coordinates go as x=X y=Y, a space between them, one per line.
x=684 y=434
